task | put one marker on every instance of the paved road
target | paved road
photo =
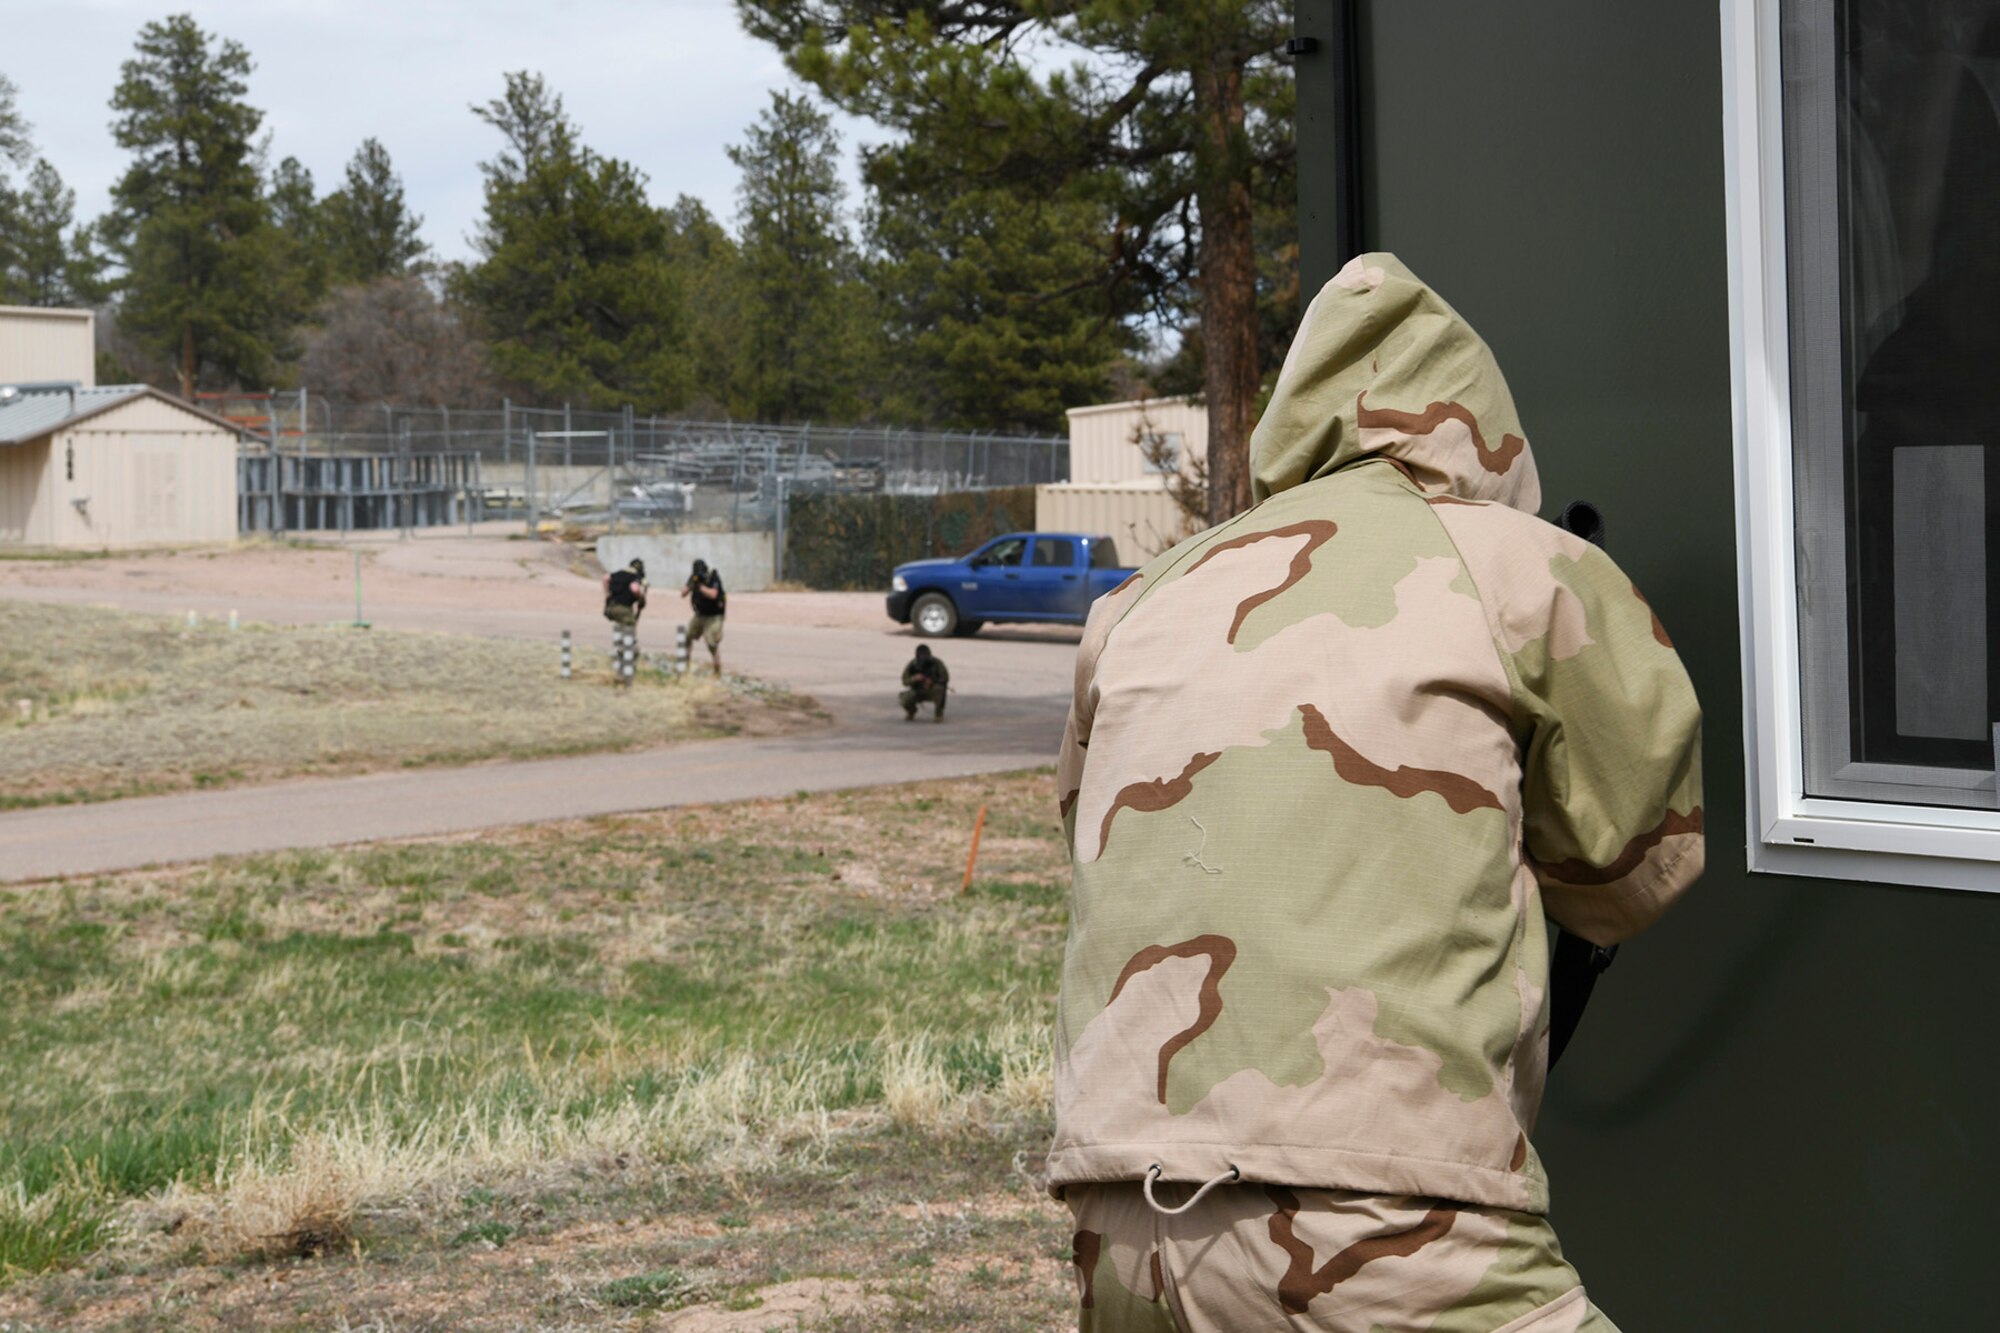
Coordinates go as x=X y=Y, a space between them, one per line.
x=1011 y=689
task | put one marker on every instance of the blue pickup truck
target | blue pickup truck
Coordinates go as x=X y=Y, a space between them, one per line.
x=1023 y=576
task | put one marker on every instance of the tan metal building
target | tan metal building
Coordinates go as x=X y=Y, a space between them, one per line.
x=1123 y=461
x=41 y=343
x=1136 y=441
x=1141 y=517
x=113 y=468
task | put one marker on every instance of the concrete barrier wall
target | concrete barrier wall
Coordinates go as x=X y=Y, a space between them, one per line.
x=745 y=559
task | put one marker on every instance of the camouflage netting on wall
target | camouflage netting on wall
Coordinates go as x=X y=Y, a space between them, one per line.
x=854 y=541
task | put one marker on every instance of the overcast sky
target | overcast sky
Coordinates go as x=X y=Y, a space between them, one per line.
x=664 y=84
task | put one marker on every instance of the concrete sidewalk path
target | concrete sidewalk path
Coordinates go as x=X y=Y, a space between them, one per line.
x=122 y=835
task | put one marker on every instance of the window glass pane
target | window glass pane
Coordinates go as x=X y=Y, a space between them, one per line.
x=1055 y=551
x=1162 y=450
x=1892 y=165
x=1002 y=553
x=1939 y=594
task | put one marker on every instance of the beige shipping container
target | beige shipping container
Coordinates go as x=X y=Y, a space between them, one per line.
x=40 y=345
x=1108 y=442
x=115 y=468
x=1142 y=518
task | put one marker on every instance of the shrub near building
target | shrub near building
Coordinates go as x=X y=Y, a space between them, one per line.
x=855 y=541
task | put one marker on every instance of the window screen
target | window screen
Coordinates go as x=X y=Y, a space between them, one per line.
x=1892 y=175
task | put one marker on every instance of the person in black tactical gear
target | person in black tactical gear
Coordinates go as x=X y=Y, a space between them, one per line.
x=707 y=599
x=925 y=681
x=625 y=595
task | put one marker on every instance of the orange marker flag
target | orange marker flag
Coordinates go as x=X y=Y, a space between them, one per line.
x=978 y=826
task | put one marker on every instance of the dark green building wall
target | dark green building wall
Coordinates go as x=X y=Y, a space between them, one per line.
x=1782 y=1110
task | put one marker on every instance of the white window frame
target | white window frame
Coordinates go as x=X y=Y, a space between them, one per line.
x=1791 y=833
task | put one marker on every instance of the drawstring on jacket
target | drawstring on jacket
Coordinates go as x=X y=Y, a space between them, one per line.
x=1153 y=1174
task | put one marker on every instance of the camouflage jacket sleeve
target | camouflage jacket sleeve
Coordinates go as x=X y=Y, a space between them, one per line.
x=940 y=672
x=1611 y=815
x=1104 y=613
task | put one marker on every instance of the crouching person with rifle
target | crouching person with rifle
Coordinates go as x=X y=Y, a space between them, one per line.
x=1329 y=769
x=926 y=680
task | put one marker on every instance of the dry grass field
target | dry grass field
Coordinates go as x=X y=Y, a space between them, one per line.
x=735 y=1067
x=100 y=704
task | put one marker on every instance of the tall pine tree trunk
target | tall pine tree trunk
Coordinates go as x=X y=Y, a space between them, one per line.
x=1228 y=267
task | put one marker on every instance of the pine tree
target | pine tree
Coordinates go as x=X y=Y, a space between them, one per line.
x=707 y=271
x=995 y=311
x=203 y=280
x=1173 y=116
x=572 y=288
x=371 y=232
x=798 y=266
x=302 y=264
x=45 y=258
x=295 y=201
x=17 y=143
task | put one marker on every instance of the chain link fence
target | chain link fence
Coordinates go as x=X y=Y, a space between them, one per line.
x=619 y=469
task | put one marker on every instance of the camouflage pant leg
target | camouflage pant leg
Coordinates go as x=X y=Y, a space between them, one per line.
x=921 y=694
x=1116 y=1249
x=1253 y=1257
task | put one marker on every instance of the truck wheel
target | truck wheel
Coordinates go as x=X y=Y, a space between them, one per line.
x=968 y=628
x=934 y=616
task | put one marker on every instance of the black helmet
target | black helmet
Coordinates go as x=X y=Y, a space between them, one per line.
x=700 y=568
x=923 y=650
x=637 y=566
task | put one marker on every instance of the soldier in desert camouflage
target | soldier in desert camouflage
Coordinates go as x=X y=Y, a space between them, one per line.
x=1327 y=768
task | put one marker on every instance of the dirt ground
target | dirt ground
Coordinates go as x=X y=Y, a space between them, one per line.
x=102 y=704
x=441 y=568
x=899 y=1236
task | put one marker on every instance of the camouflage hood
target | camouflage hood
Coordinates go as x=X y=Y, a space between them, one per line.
x=1382 y=366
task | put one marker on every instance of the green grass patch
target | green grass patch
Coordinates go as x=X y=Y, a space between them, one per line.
x=665 y=1289
x=736 y=990
x=50 y=1231
x=495 y=1234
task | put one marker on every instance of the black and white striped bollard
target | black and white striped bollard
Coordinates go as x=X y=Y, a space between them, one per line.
x=565 y=655
x=681 y=649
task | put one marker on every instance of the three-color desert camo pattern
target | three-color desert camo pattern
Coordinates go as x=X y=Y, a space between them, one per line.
x=1328 y=765
x=1272 y=1256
